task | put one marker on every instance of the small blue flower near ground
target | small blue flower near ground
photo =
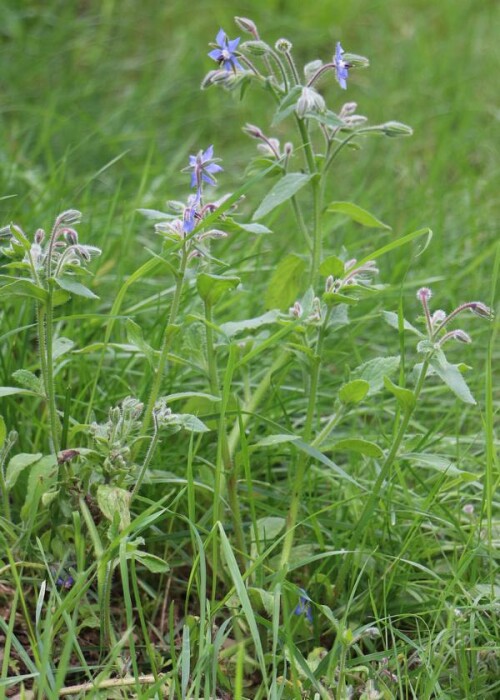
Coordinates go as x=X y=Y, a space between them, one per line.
x=341 y=67
x=225 y=54
x=202 y=167
x=304 y=607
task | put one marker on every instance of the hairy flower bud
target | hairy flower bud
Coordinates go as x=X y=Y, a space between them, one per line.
x=309 y=101
x=253 y=131
x=480 y=309
x=296 y=310
x=247 y=25
x=39 y=235
x=424 y=294
x=283 y=46
x=394 y=129
x=71 y=216
x=256 y=48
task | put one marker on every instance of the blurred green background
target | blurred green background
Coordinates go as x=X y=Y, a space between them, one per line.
x=100 y=107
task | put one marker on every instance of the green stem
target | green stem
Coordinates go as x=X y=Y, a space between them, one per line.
x=45 y=337
x=147 y=460
x=366 y=515
x=303 y=462
x=168 y=334
x=3 y=485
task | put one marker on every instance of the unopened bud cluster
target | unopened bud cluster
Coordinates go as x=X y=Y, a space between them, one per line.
x=437 y=321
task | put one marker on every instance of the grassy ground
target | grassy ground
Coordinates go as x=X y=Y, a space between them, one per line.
x=100 y=109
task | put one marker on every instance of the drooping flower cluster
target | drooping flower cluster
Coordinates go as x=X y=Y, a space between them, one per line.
x=183 y=218
x=53 y=255
x=437 y=321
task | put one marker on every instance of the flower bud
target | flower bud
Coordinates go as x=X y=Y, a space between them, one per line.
x=253 y=131
x=283 y=46
x=480 y=309
x=309 y=101
x=461 y=336
x=329 y=283
x=424 y=294
x=356 y=61
x=247 y=25
x=288 y=149
x=256 y=48
x=394 y=129
x=438 y=317
x=70 y=235
x=71 y=216
x=39 y=235
x=296 y=310
x=348 y=109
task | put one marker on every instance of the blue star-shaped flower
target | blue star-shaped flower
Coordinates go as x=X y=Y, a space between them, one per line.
x=341 y=67
x=304 y=606
x=202 y=167
x=225 y=53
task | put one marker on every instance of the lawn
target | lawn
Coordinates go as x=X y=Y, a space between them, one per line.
x=235 y=461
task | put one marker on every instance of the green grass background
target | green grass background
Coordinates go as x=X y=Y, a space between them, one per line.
x=99 y=109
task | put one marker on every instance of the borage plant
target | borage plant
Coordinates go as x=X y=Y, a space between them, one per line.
x=267 y=383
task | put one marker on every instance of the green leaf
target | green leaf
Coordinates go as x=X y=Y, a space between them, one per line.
x=375 y=370
x=191 y=423
x=190 y=395
x=332 y=265
x=354 y=392
x=135 y=337
x=11 y=390
x=24 y=288
x=271 y=440
x=234 y=327
x=439 y=463
x=113 y=500
x=287 y=105
x=212 y=287
x=262 y=601
x=334 y=298
x=74 y=287
x=29 y=380
x=392 y=319
x=61 y=346
x=282 y=191
x=404 y=397
x=286 y=282
x=451 y=376
x=152 y=562
x=356 y=213
x=41 y=478
x=257 y=229
x=3 y=431
x=364 y=447
x=327 y=118
x=17 y=465
x=269 y=528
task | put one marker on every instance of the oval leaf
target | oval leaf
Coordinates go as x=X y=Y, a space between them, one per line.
x=283 y=190
x=364 y=447
x=354 y=392
x=404 y=397
x=212 y=287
